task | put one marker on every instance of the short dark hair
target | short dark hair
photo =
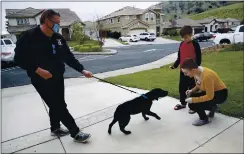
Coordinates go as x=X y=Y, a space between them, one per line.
x=47 y=14
x=189 y=64
x=186 y=30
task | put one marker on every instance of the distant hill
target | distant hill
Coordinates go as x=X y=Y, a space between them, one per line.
x=183 y=8
x=230 y=11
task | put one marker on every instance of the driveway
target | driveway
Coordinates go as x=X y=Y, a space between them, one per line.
x=111 y=43
x=158 y=40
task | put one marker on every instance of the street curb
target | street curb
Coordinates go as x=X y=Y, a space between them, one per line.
x=109 y=52
x=13 y=91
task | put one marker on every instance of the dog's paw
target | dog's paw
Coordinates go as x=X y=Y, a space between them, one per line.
x=158 y=118
x=127 y=132
x=109 y=132
x=146 y=118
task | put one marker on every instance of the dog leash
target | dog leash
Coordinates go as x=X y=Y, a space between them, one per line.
x=120 y=87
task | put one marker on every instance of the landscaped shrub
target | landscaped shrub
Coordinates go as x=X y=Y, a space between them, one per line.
x=87 y=48
x=235 y=47
x=76 y=48
x=173 y=32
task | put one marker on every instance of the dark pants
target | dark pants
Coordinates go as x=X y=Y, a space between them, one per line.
x=185 y=84
x=219 y=98
x=52 y=92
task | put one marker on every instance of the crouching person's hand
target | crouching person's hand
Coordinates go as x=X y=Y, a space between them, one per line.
x=188 y=93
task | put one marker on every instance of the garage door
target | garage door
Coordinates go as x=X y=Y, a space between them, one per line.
x=152 y=31
x=136 y=31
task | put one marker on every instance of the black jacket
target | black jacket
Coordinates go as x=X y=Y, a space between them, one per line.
x=197 y=52
x=34 y=49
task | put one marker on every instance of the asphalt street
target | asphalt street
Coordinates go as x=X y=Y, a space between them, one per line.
x=128 y=56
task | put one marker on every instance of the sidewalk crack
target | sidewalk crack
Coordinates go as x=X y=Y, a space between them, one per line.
x=201 y=145
x=62 y=144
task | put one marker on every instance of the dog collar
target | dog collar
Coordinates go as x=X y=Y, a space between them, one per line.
x=144 y=96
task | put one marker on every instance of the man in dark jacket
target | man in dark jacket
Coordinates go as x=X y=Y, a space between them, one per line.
x=188 y=49
x=42 y=52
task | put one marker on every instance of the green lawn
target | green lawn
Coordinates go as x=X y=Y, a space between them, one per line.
x=229 y=11
x=92 y=42
x=229 y=65
x=177 y=38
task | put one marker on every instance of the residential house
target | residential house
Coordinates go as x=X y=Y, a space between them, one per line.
x=20 y=20
x=233 y=22
x=131 y=20
x=90 y=29
x=212 y=24
x=179 y=23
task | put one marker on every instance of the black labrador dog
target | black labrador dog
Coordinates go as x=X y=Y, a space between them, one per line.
x=140 y=104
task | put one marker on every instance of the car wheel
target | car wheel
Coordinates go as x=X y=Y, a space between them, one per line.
x=120 y=39
x=146 y=39
x=224 y=41
x=131 y=40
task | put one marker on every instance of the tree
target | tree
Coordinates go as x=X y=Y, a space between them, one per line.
x=77 y=32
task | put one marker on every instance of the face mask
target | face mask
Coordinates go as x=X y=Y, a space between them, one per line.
x=55 y=28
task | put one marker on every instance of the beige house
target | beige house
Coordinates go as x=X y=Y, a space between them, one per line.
x=131 y=20
x=20 y=20
x=212 y=24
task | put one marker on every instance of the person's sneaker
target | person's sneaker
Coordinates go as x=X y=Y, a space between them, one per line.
x=191 y=112
x=59 y=132
x=200 y=122
x=212 y=111
x=82 y=137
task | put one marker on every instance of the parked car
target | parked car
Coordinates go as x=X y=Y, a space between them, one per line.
x=7 y=51
x=129 y=38
x=147 y=36
x=231 y=38
x=203 y=36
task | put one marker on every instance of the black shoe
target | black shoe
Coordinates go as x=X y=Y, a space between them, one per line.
x=212 y=111
x=59 y=132
x=82 y=137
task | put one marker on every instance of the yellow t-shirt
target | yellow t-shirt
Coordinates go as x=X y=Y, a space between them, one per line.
x=209 y=82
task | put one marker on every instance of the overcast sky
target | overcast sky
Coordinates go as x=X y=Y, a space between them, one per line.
x=85 y=10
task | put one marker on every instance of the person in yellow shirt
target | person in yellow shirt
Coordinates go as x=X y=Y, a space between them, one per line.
x=209 y=91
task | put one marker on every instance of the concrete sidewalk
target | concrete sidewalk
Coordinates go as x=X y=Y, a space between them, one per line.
x=93 y=107
x=25 y=122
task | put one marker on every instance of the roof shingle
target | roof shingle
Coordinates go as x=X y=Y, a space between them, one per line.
x=183 y=22
x=67 y=16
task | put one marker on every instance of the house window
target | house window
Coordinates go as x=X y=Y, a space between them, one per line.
x=206 y=29
x=147 y=16
x=22 y=21
x=118 y=19
x=111 y=21
x=216 y=27
x=107 y=21
x=127 y=17
x=151 y=16
x=134 y=17
x=211 y=28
